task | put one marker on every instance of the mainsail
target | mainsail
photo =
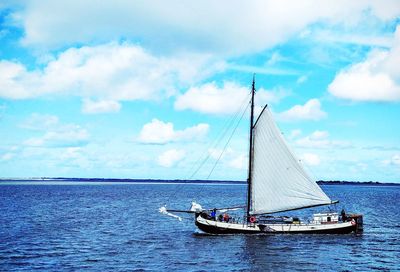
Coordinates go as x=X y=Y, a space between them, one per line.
x=278 y=180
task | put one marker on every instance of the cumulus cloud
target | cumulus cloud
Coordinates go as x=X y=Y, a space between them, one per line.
x=159 y=132
x=320 y=139
x=8 y=153
x=100 y=106
x=295 y=133
x=229 y=157
x=220 y=153
x=171 y=157
x=65 y=136
x=267 y=69
x=110 y=71
x=375 y=79
x=317 y=139
x=240 y=162
x=208 y=98
x=230 y=27
x=6 y=157
x=311 y=110
x=55 y=134
x=301 y=79
x=394 y=160
x=16 y=82
x=71 y=153
x=3 y=109
x=37 y=121
x=311 y=159
x=362 y=166
x=367 y=39
x=212 y=99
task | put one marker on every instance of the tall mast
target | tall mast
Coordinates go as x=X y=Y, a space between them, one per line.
x=253 y=89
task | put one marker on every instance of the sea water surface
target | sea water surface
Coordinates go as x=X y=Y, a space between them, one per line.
x=116 y=227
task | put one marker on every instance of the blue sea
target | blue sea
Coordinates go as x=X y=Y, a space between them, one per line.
x=73 y=226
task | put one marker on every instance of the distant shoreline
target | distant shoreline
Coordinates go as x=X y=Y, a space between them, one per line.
x=61 y=179
x=45 y=179
x=369 y=183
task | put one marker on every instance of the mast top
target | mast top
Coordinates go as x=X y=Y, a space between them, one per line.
x=253 y=86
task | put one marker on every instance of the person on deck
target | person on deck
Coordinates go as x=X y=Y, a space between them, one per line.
x=226 y=217
x=214 y=214
x=343 y=214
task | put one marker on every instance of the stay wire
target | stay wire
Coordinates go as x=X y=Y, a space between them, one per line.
x=227 y=143
x=221 y=136
x=226 y=128
x=224 y=131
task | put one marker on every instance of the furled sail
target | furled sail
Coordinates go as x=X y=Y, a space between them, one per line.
x=279 y=182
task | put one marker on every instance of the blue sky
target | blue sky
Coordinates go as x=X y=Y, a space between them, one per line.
x=133 y=89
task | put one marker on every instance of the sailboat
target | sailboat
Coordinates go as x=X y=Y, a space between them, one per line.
x=277 y=182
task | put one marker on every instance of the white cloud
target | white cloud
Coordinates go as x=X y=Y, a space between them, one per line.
x=263 y=70
x=295 y=133
x=320 y=139
x=209 y=98
x=375 y=79
x=319 y=134
x=55 y=134
x=158 y=132
x=220 y=153
x=71 y=153
x=311 y=110
x=110 y=71
x=311 y=159
x=3 y=109
x=275 y=58
x=171 y=157
x=274 y=95
x=38 y=121
x=229 y=157
x=6 y=156
x=302 y=79
x=348 y=36
x=394 y=160
x=317 y=139
x=100 y=106
x=361 y=83
x=16 y=82
x=65 y=136
x=7 y=153
x=229 y=28
x=240 y=162
x=362 y=166
x=385 y=9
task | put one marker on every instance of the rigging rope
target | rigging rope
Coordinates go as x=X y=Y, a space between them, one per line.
x=221 y=136
x=242 y=109
x=226 y=145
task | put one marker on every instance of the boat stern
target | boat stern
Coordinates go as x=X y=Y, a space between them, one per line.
x=358 y=220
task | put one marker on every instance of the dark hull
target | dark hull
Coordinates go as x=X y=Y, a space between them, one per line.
x=219 y=230
x=344 y=230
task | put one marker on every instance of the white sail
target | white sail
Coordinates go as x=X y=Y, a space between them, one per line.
x=279 y=182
